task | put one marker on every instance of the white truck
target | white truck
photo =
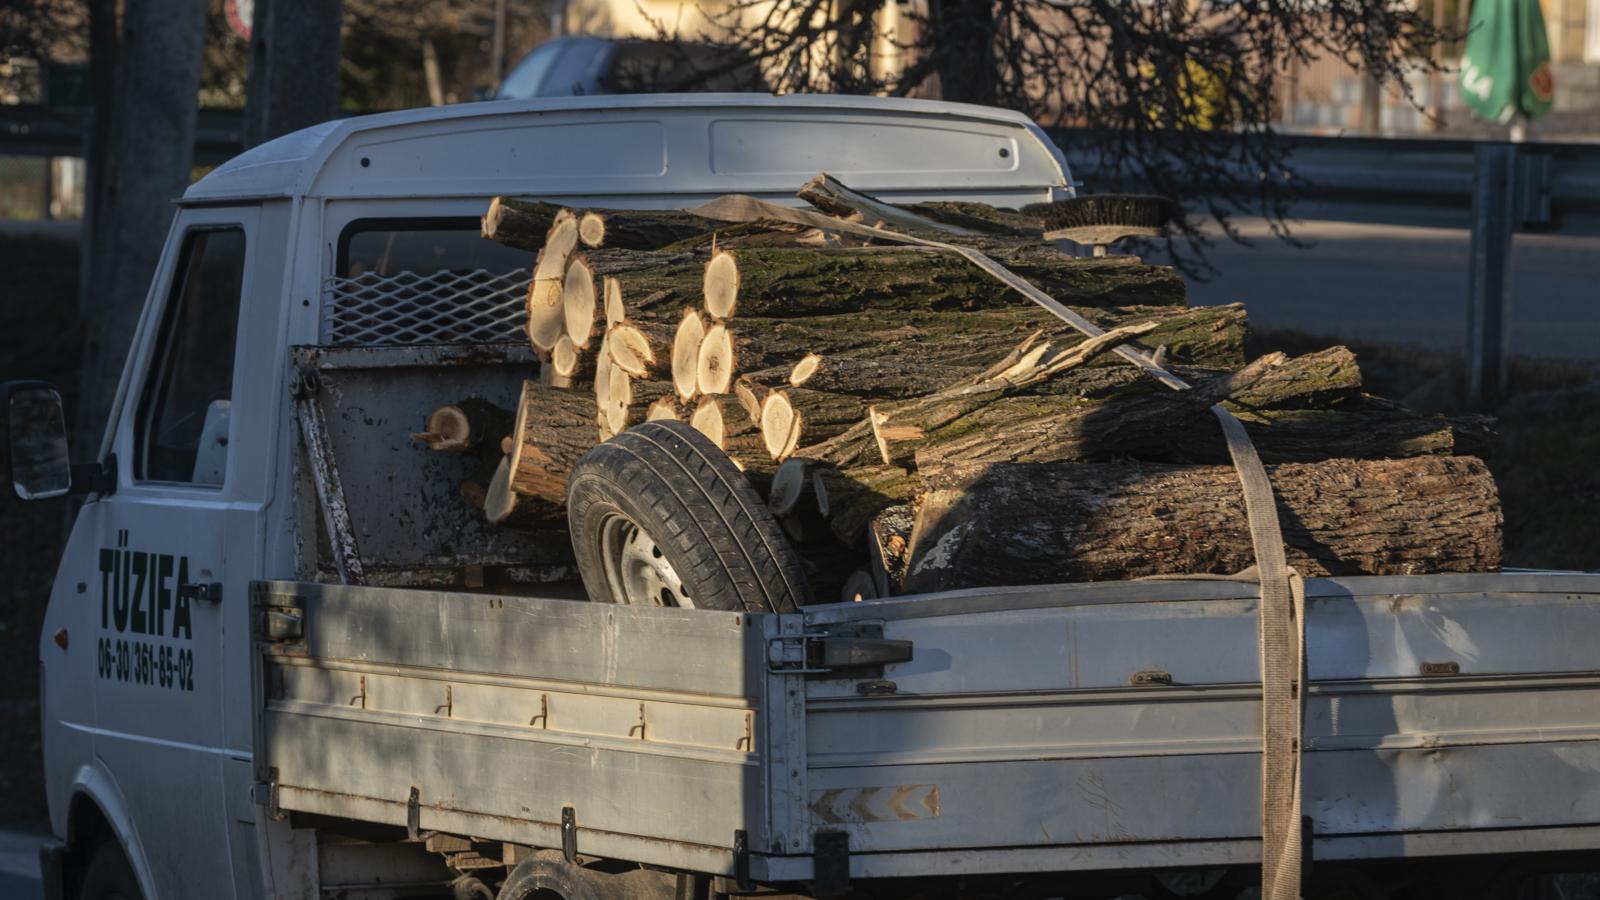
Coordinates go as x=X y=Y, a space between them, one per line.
x=224 y=716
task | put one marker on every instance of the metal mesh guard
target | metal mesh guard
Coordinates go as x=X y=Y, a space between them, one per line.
x=445 y=307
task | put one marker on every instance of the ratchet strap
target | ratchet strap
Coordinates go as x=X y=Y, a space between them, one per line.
x=1280 y=637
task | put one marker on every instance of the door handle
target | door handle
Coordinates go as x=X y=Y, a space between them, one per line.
x=203 y=591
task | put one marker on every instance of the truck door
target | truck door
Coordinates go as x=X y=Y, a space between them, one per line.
x=174 y=544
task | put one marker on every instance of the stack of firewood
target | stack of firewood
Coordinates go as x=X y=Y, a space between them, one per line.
x=919 y=426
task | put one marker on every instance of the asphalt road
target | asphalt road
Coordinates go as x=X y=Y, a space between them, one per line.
x=19 y=865
x=1408 y=285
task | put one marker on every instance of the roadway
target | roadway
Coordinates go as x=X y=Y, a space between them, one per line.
x=19 y=865
x=1407 y=284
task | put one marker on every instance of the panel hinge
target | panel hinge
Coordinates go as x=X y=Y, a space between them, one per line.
x=569 y=834
x=741 y=861
x=265 y=794
x=862 y=652
x=280 y=615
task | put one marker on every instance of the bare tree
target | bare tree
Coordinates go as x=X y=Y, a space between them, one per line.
x=148 y=152
x=294 y=66
x=1163 y=96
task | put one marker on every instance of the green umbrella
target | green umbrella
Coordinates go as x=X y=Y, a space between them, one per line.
x=1506 y=69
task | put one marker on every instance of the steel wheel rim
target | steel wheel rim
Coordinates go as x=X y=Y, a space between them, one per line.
x=637 y=571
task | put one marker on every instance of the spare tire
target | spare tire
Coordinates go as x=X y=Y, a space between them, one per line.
x=659 y=516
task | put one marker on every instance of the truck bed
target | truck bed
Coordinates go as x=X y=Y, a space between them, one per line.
x=1056 y=728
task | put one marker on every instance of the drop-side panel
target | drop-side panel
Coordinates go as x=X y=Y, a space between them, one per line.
x=1128 y=715
x=488 y=715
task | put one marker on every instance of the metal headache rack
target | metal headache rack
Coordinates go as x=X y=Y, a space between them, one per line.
x=408 y=308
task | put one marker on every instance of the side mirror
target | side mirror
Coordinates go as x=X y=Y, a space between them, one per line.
x=33 y=426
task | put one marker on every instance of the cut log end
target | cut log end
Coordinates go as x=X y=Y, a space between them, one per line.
x=564 y=357
x=448 y=429
x=592 y=229
x=804 y=369
x=721 y=284
x=663 y=409
x=707 y=419
x=789 y=484
x=631 y=351
x=498 y=501
x=715 y=364
x=686 y=355
x=859 y=586
x=578 y=301
x=619 y=394
x=780 y=426
x=616 y=313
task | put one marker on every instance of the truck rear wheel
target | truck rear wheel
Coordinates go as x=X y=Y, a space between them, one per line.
x=543 y=878
x=660 y=517
x=109 y=876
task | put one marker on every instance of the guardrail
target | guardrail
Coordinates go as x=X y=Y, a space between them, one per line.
x=1362 y=177
x=44 y=131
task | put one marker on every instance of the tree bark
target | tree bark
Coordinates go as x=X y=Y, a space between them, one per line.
x=554 y=428
x=850 y=498
x=1031 y=523
x=147 y=163
x=780 y=282
x=523 y=223
x=293 y=81
x=1149 y=422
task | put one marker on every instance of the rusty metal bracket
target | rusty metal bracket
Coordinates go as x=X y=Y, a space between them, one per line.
x=361 y=696
x=741 y=861
x=543 y=717
x=639 y=728
x=325 y=472
x=267 y=795
x=569 y=834
x=449 y=704
x=1450 y=667
x=414 y=815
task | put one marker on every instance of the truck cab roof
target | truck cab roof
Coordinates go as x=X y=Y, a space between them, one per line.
x=654 y=150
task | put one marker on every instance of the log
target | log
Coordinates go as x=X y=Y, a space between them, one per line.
x=570 y=363
x=1041 y=523
x=902 y=427
x=686 y=340
x=833 y=197
x=721 y=284
x=663 y=409
x=981 y=218
x=553 y=429
x=628 y=401
x=883 y=379
x=783 y=282
x=796 y=417
x=1152 y=423
x=546 y=318
x=642 y=349
x=464 y=426
x=1211 y=337
x=888 y=548
x=717 y=360
x=578 y=300
x=644 y=229
x=791 y=484
x=850 y=498
x=523 y=224
x=616 y=313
